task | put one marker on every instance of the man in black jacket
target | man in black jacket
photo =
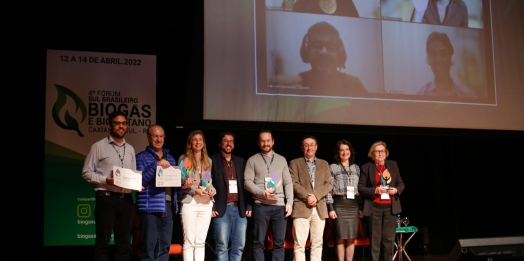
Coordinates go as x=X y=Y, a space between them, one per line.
x=232 y=202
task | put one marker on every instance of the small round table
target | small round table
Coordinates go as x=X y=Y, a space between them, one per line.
x=401 y=246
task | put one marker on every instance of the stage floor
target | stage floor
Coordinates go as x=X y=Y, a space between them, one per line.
x=413 y=258
x=85 y=253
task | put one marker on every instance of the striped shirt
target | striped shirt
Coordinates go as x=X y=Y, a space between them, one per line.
x=342 y=177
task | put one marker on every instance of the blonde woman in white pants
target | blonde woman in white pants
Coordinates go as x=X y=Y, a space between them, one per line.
x=196 y=200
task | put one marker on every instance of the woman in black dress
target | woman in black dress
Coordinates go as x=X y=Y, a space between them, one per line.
x=342 y=200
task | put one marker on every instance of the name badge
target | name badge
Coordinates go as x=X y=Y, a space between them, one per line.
x=233 y=186
x=350 y=192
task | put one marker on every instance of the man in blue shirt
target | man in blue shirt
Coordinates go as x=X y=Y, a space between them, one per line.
x=155 y=205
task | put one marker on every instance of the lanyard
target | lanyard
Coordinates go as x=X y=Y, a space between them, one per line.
x=272 y=157
x=344 y=169
x=200 y=170
x=230 y=166
x=120 y=156
x=382 y=179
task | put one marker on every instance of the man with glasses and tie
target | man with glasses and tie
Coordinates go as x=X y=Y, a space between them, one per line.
x=155 y=205
x=114 y=204
x=232 y=202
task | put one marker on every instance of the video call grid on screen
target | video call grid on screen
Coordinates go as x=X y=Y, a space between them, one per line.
x=385 y=52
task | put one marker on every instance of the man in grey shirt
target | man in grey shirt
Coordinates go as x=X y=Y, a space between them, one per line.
x=267 y=177
x=114 y=204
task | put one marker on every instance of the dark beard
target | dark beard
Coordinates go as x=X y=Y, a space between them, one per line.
x=115 y=134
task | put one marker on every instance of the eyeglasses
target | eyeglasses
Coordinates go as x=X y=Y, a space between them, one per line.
x=116 y=123
x=379 y=151
x=228 y=141
x=154 y=136
x=318 y=45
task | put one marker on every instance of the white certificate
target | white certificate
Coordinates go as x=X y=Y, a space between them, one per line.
x=170 y=177
x=127 y=178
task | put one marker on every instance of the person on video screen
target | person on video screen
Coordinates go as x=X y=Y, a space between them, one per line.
x=439 y=56
x=332 y=7
x=323 y=49
x=441 y=12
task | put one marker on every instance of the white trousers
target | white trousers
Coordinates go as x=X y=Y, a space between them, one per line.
x=196 y=217
x=301 y=228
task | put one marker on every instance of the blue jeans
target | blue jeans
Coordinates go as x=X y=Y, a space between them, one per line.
x=262 y=215
x=155 y=232
x=231 y=227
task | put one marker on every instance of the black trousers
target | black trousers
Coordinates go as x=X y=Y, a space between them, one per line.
x=113 y=213
x=383 y=229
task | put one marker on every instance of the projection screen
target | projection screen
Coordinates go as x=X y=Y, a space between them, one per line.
x=370 y=62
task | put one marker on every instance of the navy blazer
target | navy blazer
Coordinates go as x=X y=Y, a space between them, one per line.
x=367 y=185
x=221 y=184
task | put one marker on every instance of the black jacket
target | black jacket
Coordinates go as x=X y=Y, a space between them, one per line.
x=221 y=185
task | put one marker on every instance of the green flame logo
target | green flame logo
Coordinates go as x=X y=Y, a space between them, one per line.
x=70 y=122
